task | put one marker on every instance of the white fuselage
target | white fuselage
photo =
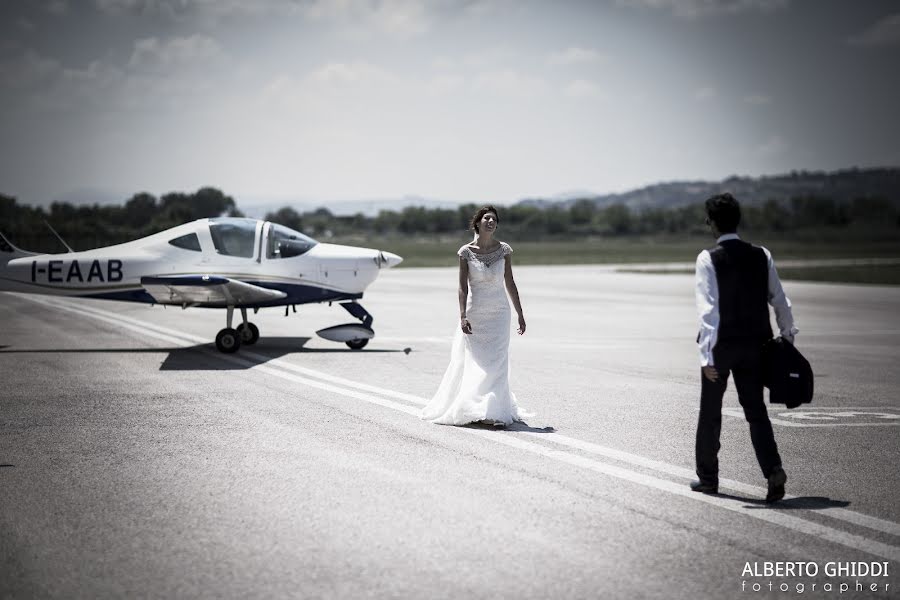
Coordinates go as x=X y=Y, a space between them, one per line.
x=116 y=271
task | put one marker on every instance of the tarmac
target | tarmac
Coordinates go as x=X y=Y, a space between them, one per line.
x=138 y=461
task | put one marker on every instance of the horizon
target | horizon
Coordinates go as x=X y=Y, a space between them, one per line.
x=257 y=207
x=326 y=102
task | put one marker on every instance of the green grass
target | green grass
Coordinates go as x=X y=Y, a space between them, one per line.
x=872 y=274
x=868 y=274
x=441 y=252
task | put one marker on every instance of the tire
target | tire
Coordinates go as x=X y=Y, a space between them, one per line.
x=357 y=344
x=228 y=341
x=249 y=334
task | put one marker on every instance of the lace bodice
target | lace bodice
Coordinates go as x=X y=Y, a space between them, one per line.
x=488 y=259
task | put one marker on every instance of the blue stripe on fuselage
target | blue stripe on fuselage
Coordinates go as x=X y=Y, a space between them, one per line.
x=296 y=294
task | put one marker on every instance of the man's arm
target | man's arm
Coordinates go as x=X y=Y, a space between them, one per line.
x=707 y=295
x=780 y=302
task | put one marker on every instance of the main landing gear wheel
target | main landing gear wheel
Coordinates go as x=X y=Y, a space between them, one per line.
x=357 y=344
x=228 y=340
x=249 y=333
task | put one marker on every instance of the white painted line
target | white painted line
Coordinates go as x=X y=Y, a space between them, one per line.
x=818 y=407
x=769 y=515
x=170 y=335
x=842 y=514
x=739 y=414
x=427 y=340
x=180 y=338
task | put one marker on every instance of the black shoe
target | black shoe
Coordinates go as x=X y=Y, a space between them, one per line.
x=705 y=488
x=776 y=485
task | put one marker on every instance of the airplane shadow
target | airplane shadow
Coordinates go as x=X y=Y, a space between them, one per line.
x=798 y=503
x=205 y=357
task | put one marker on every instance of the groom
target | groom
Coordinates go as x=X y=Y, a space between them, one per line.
x=736 y=282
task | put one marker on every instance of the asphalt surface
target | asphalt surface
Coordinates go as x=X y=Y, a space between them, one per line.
x=137 y=461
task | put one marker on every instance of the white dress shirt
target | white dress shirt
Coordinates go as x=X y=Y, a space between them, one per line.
x=708 y=302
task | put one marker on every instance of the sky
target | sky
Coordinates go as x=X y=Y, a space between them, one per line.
x=459 y=101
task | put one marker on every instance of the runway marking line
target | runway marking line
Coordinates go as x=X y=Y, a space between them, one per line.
x=340 y=386
x=833 y=413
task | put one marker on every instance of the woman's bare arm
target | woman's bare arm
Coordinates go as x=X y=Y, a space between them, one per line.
x=463 y=294
x=513 y=292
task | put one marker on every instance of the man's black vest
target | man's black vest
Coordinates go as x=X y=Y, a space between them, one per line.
x=742 y=274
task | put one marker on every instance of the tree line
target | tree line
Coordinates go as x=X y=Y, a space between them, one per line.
x=91 y=226
x=585 y=218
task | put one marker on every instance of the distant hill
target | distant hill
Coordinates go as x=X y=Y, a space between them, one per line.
x=838 y=185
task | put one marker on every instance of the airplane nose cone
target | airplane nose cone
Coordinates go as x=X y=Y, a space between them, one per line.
x=389 y=259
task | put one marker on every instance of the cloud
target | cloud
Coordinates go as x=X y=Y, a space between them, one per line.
x=155 y=53
x=57 y=7
x=480 y=8
x=774 y=145
x=445 y=84
x=509 y=81
x=885 y=32
x=692 y=9
x=328 y=86
x=28 y=71
x=706 y=93
x=158 y=73
x=575 y=56
x=757 y=99
x=395 y=18
x=25 y=25
x=482 y=59
x=398 y=18
x=343 y=74
x=582 y=88
x=205 y=11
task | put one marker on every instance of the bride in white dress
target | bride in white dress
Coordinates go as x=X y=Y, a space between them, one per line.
x=475 y=387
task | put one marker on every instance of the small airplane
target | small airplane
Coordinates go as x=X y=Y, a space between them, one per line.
x=224 y=262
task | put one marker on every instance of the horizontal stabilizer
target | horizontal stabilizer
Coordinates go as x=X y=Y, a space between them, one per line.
x=9 y=252
x=207 y=290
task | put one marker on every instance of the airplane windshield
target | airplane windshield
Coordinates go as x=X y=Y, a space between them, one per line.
x=233 y=237
x=285 y=242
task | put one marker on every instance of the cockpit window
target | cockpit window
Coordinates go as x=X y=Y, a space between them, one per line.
x=233 y=237
x=285 y=242
x=187 y=242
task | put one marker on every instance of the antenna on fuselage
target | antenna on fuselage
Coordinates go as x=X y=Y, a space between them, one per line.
x=59 y=237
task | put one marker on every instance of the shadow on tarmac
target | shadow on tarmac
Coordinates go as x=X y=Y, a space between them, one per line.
x=205 y=357
x=198 y=358
x=802 y=503
x=514 y=427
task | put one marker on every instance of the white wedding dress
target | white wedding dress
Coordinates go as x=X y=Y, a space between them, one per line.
x=475 y=386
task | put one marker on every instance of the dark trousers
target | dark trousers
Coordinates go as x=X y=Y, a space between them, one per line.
x=744 y=361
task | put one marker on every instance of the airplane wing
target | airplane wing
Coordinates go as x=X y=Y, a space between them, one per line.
x=208 y=290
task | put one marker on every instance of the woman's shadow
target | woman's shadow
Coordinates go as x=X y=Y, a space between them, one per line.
x=517 y=426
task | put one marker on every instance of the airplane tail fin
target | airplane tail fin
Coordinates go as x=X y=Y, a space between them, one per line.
x=9 y=252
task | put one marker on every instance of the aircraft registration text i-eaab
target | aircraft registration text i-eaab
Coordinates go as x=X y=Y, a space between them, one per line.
x=221 y=262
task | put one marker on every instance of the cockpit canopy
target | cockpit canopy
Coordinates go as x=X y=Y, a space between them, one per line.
x=284 y=242
x=233 y=237
x=237 y=237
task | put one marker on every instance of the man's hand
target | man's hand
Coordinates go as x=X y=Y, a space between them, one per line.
x=710 y=373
